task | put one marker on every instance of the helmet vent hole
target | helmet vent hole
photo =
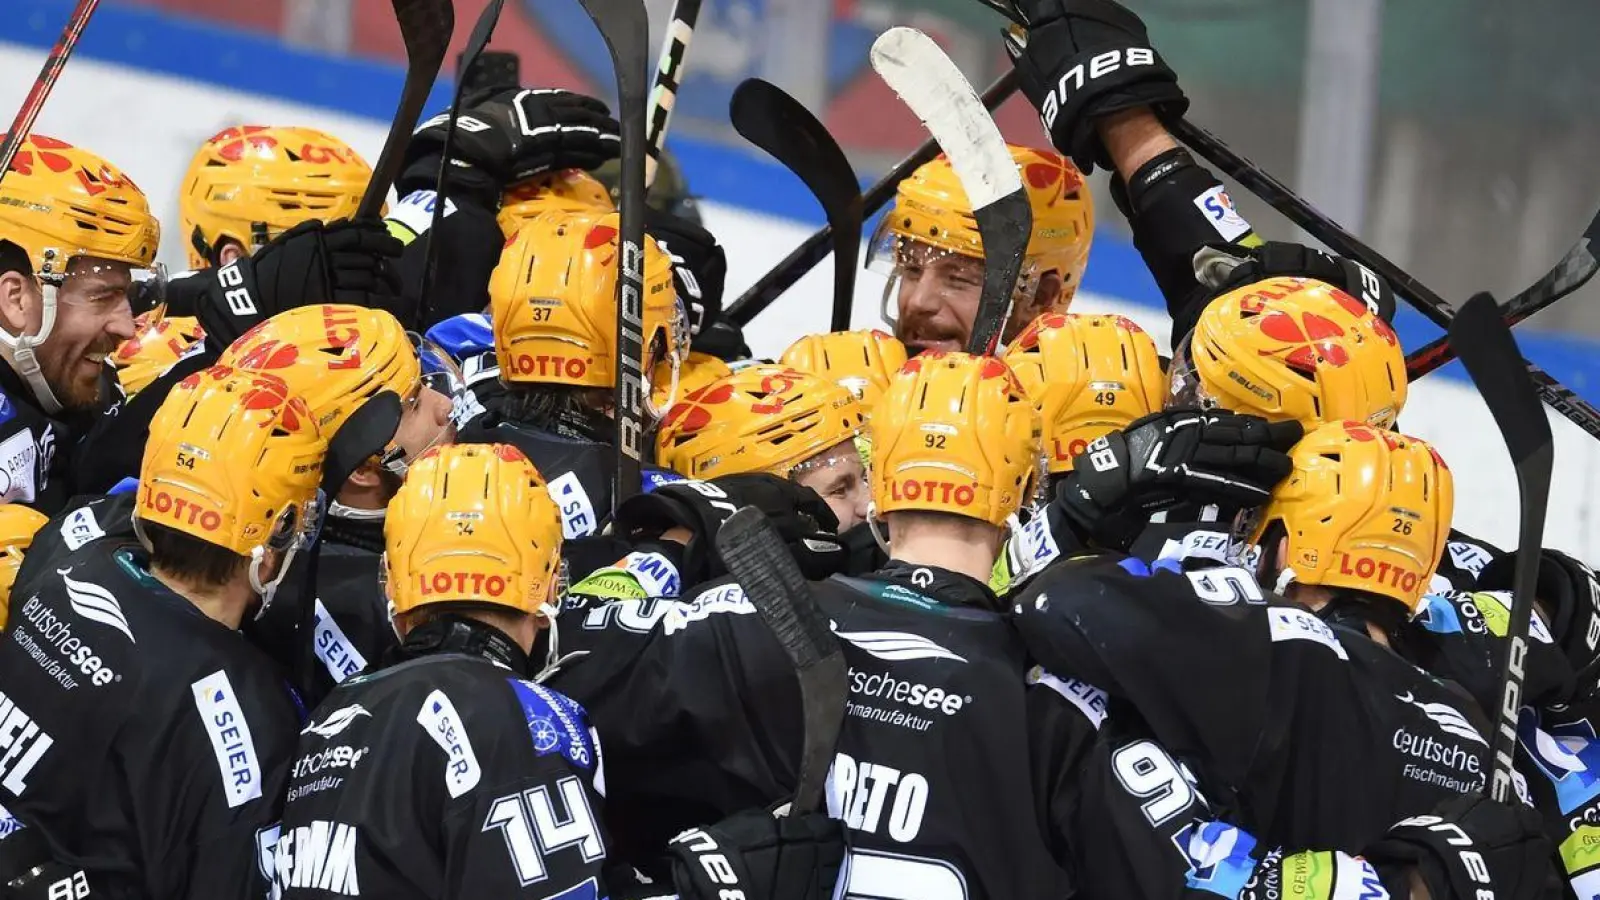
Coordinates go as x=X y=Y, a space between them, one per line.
x=1333 y=456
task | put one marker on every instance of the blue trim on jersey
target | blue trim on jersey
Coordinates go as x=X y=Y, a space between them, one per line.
x=556 y=724
x=127 y=485
x=468 y=334
x=240 y=60
x=1201 y=842
x=657 y=478
x=8 y=409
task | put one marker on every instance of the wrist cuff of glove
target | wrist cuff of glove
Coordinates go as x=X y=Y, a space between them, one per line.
x=232 y=304
x=1090 y=527
x=463 y=183
x=1177 y=207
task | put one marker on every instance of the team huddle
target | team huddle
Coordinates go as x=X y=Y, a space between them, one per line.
x=316 y=579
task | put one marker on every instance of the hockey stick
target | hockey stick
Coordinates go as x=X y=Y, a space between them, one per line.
x=815 y=248
x=758 y=558
x=931 y=85
x=627 y=34
x=425 y=27
x=22 y=123
x=774 y=121
x=669 y=77
x=1484 y=343
x=1572 y=272
x=481 y=32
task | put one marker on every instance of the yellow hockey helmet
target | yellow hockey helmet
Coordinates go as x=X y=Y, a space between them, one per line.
x=932 y=208
x=473 y=523
x=863 y=362
x=758 y=419
x=1088 y=376
x=1364 y=509
x=17 y=526
x=566 y=190
x=253 y=182
x=233 y=459
x=955 y=434
x=58 y=202
x=157 y=343
x=1293 y=348
x=553 y=302
x=698 y=370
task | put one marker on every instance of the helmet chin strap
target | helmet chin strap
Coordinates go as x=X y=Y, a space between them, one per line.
x=267 y=590
x=19 y=350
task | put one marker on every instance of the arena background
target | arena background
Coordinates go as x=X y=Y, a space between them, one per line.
x=1486 y=208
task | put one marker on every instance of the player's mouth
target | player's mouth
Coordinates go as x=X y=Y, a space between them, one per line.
x=939 y=345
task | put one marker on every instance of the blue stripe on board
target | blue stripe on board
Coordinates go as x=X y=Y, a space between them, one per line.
x=238 y=60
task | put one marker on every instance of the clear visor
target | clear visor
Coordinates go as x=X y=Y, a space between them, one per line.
x=109 y=284
x=439 y=371
x=1184 y=387
x=664 y=363
x=944 y=277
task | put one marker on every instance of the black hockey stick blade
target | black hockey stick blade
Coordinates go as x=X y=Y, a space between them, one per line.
x=627 y=35
x=766 y=116
x=425 y=27
x=669 y=77
x=1484 y=343
x=482 y=30
x=757 y=557
x=1576 y=267
x=815 y=249
x=1004 y=226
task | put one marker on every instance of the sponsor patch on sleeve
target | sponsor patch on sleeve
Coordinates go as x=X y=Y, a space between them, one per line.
x=556 y=724
x=1289 y=624
x=438 y=717
x=1219 y=857
x=1218 y=209
x=337 y=652
x=654 y=572
x=18 y=456
x=80 y=528
x=1090 y=700
x=577 y=511
x=415 y=211
x=726 y=599
x=225 y=724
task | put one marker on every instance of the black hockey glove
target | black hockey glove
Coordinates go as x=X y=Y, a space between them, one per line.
x=509 y=136
x=1473 y=847
x=347 y=261
x=1167 y=458
x=1570 y=595
x=722 y=338
x=699 y=265
x=802 y=519
x=1086 y=59
x=754 y=854
x=1221 y=268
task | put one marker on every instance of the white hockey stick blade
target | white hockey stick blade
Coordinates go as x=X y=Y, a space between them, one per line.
x=931 y=85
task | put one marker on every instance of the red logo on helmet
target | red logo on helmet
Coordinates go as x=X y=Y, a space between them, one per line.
x=1053 y=171
x=238 y=142
x=24 y=161
x=269 y=355
x=1366 y=433
x=509 y=453
x=1313 y=333
x=269 y=393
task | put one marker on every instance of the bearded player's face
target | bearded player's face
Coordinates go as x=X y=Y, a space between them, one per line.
x=937 y=298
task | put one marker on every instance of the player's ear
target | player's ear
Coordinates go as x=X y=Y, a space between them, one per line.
x=16 y=289
x=366 y=475
x=230 y=251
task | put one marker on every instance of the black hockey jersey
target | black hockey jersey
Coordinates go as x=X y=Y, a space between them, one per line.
x=145 y=741
x=445 y=776
x=1315 y=735
x=577 y=471
x=38 y=452
x=949 y=769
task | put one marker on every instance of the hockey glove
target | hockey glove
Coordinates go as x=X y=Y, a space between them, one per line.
x=1167 y=458
x=755 y=854
x=1570 y=595
x=699 y=265
x=348 y=261
x=1221 y=268
x=1086 y=59
x=801 y=518
x=509 y=136
x=1473 y=847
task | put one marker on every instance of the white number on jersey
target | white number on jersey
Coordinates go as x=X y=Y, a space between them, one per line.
x=533 y=829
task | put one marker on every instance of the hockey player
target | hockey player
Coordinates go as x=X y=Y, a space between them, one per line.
x=147 y=743
x=18 y=524
x=554 y=314
x=76 y=240
x=776 y=420
x=157 y=344
x=250 y=183
x=950 y=767
x=509 y=778
x=1337 y=736
x=928 y=246
x=863 y=362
